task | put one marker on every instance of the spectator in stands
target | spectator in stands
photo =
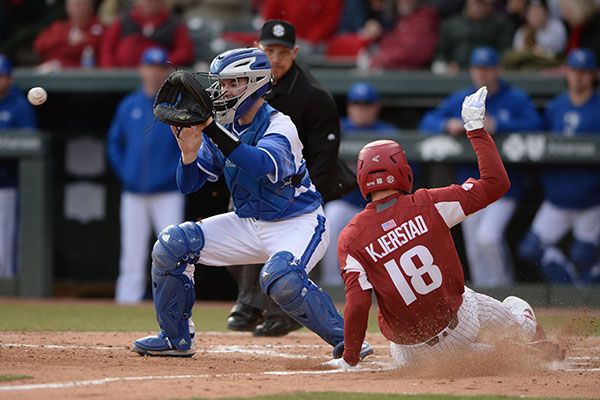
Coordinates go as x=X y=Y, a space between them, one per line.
x=516 y=11
x=411 y=43
x=445 y=8
x=315 y=20
x=508 y=109
x=539 y=42
x=361 y=22
x=363 y=108
x=108 y=10
x=15 y=113
x=478 y=25
x=572 y=193
x=148 y=23
x=71 y=42
x=583 y=19
x=369 y=18
x=145 y=163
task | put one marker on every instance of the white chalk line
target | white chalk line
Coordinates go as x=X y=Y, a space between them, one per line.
x=383 y=367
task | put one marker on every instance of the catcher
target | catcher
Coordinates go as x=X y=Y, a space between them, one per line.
x=400 y=246
x=277 y=219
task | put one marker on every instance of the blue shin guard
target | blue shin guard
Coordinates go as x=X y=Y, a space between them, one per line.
x=173 y=292
x=288 y=285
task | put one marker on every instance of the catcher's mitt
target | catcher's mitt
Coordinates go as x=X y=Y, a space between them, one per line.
x=182 y=101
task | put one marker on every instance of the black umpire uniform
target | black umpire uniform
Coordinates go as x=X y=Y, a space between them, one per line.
x=313 y=111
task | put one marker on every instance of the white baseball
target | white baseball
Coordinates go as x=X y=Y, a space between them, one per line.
x=37 y=95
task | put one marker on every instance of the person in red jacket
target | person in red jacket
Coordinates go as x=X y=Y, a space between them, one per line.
x=62 y=44
x=401 y=248
x=149 y=23
x=412 y=42
x=314 y=20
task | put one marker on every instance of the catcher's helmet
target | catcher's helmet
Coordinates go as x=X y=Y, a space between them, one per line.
x=248 y=63
x=382 y=165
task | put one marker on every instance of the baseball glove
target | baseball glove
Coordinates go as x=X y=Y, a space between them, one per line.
x=182 y=101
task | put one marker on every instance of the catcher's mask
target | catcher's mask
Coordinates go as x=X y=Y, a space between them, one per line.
x=250 y=63
x=383 y=165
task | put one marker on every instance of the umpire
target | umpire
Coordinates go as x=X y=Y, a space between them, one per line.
x=312 y=109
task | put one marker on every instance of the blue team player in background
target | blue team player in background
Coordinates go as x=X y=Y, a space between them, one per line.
x=508 y=109
x=572 y=193
x=15 y=114
x=277 y=219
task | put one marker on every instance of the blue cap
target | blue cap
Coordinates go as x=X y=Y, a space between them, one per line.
x=484 y=56
x=5 y=65
x=582 y=59
x=362 y=92
x=154 y=56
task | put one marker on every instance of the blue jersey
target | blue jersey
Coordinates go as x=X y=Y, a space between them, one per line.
x=568 y=186
x=266 y=174
x=145 y=163
x=15 y=113
x=513 y=111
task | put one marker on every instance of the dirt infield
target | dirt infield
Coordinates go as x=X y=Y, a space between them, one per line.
x=100 y=365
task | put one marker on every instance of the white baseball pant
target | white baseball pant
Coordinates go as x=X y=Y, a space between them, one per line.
x=8 y=233
x=487 y=252
x=141 y=215
x=338 y=213
x=482 y=321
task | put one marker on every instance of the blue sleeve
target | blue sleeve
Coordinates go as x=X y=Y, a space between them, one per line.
x=207 y=167
x=115 y=146
x=524 y=116
x=27 y=116
x=434 y=120
x=190 y=178
x=271 y=156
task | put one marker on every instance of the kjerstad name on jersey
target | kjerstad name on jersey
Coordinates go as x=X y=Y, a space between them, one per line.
x=392 y=240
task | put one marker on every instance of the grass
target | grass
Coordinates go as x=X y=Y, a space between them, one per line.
x=5 y=378
x=108 y=317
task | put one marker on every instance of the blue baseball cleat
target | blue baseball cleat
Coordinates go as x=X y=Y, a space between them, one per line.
x=159 y=345
x=365 y=350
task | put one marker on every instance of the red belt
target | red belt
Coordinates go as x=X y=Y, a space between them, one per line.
x=436 y=339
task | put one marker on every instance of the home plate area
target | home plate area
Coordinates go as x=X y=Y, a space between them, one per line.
x=69 y=365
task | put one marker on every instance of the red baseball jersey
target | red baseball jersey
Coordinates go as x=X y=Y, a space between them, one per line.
x=401 y=248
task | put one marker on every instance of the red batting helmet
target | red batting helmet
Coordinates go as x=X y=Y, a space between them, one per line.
x=382 y=165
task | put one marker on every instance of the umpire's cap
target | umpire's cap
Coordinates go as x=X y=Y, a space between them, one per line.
x=279 y=32
x=5 y=65
x=582 y=59
x=484 y=56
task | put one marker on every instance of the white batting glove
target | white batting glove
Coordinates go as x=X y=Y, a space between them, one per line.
x=473 y=109
x=339 y=363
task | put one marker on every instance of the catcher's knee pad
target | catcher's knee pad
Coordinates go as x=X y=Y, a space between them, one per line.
x=531 y=249
x=177 y=246
x=288 y=285
x=584 y=255
x=174 y=297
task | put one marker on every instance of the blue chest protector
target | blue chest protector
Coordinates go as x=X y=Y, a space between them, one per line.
x=259 y=197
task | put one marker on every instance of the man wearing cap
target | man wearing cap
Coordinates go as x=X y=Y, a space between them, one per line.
x=312 y=109
x=508 y=110
x=145 y=164
x=15 y=113
x=572 y=193
x=363 y=108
